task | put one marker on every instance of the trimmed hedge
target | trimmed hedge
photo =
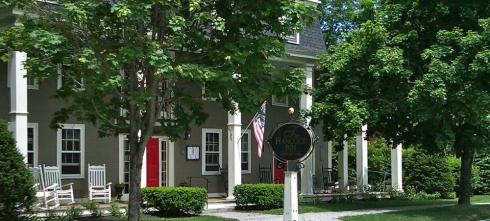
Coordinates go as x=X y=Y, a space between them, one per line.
x=173 y=201
x=259 y=196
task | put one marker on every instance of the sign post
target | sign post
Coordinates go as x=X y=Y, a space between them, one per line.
x=291 y=141
x=291 y=196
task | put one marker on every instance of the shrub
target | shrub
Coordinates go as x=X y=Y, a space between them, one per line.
x=261 y=196
x=172 y=201
x=411 y=193
x=16 y=190
x=93 y=207
x=482 y=186
x=429 y=173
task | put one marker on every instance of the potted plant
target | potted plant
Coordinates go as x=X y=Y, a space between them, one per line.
x=119 y=190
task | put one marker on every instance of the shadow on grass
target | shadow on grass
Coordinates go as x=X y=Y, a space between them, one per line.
x=453 y=213
x=359 y=205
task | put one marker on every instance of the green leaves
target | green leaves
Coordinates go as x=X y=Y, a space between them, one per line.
x=416 y=72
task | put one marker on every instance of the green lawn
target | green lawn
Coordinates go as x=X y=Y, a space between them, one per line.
x=358 y=205
x=475 y=212
x=193 y=218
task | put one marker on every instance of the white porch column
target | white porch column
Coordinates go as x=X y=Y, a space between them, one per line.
x=305 y=104
x=344 y=167
x=329 y=154
x=18 y=99
x=362 y=159
x=234 y=151
x=143 y=171
x=396 y=168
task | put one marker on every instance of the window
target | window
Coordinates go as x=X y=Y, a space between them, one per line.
x=126 y=164
x=283 y=102
x=246 y=151
x=293 y=39
x=71 y=146
x=206 y=96
x=32 y=144
x=75 y=82
x=163 y=163
x=211 y=154
x=31 y=82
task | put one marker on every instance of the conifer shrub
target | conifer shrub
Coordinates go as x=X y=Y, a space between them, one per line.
x=175 y=201
x=17 y=194
x=428 y=172
x=259 y=196
x=482 y=186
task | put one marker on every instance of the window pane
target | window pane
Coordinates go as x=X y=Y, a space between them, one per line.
x=212 y=168
x=69 y=134
x=68 y=145
x=244 y=166
x=30 y=159
x=76 y=134
x=31 y=81
x=76 y=145
x=70 y=169
x=30 y=139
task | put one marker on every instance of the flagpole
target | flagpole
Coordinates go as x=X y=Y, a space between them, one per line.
x=253 y=118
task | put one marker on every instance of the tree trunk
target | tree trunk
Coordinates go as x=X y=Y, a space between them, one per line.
x=465 y=180
x=136 y=162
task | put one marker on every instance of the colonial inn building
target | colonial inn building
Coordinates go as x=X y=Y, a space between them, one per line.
x=210 y=156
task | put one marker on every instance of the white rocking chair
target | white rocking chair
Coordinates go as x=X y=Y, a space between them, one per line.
x=97 y=187
x=46 y=195
x=52 y=175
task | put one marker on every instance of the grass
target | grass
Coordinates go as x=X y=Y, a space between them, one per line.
x=152 y=218
x=474 y=212
x=192 y=218
x=359 y=205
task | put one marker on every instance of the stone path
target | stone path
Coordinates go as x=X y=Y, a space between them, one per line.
x=322 y=216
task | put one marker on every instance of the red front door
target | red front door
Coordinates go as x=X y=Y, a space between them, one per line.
x=152 y=163
x=279 y=169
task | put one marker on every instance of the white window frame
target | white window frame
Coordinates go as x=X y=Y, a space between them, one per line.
x=60 y=80
x=81 y=127
x=203 y=92
x=203 y=152
x=294 y=38
x=275 y=102
x=35 y=127
x=249 y=135
x=34 y=86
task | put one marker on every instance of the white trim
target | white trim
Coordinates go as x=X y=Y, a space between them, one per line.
x=59 y=84
x=203 y=151
x=203 y=92
x=314 y=1
x=34 y=86
x=81 y=127
x=249 y=133
x=171 y=163
x=275 y=102
x=215 y=195
x=294 y=38
x=170 y=159
x=35 y=142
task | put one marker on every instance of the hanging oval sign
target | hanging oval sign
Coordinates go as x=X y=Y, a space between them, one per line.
x=291 y=141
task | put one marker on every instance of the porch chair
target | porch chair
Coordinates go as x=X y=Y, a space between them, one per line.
x=330 y=179
x=52 y=175
x=45 y=195
x=265 y=174
x=97 y=187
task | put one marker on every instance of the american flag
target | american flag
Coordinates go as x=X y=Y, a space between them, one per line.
x=259 y=128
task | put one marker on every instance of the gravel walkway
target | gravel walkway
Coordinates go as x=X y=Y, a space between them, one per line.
x=322 y=216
